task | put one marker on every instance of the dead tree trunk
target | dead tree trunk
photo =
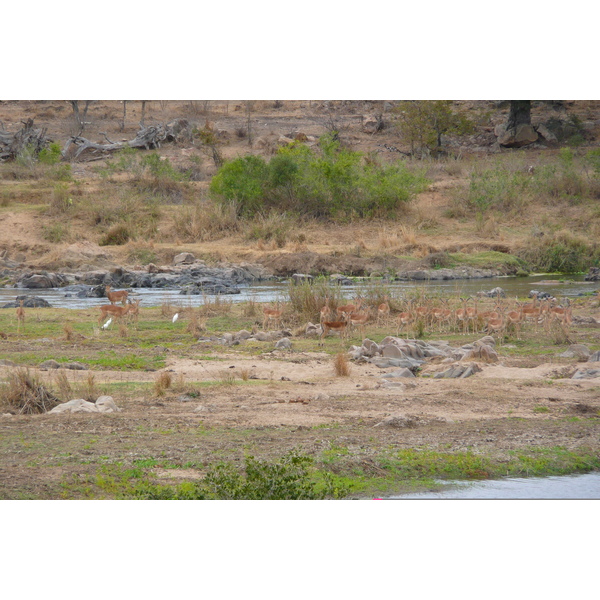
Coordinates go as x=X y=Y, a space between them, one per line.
x=147 y=138
x=12 y=144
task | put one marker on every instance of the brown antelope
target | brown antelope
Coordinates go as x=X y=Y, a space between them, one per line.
x=325 y=311
x=515 y=317
x=460 y=314
x=446 y=315
x=134 y=310
x=383 y=310
x=345 y=310
x=495 y=325
x=115 y=297
x=272 y=314
x=532 y=312
x=114 y=311
x=405 y=318
x=359 y=320
x=340 y=326
x=20 y=315
x=471 y=315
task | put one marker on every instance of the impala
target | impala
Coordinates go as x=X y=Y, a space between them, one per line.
x=347 y=309
x=115 y=297
x=339 y=326
x=272 y=314
x=325 y=311
x=20 y=315
x=383 y=310
x=114 y=311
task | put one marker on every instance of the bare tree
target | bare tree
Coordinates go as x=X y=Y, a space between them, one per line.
x=249 y=104
x=79 y=116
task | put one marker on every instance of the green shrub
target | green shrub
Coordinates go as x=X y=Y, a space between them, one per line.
x=331 y=182
x=50 y=155
x=56 y=233
x=562 y=252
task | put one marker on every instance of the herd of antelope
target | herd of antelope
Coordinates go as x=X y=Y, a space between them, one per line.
x=438 y=316
x=428 y=315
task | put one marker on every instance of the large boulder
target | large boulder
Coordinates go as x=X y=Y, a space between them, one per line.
x=516 y=137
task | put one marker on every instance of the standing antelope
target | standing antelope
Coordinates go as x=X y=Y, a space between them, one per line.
x=359 y=320
x=115 y=311
x=383 y=310
x=325 y=311
x=345 y=310
x=405 y=318
x=515 y=317
x=340 y=326
x=20 y=315
x=134 y=310
x=272 y=314
x=115 y=297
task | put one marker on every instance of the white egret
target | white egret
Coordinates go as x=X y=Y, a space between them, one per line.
x=175 y=317
x=105 y=326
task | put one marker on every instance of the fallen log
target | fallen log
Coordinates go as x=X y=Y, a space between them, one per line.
x=147 y=138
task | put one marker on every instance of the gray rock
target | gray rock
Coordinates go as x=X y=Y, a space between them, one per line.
x=283 y=344
x=576 y=351
x=459 y=372
x=106 y=404
x=586 y=374
x=399 y=373
x=184 y=258
x=75 y=366
x=50 y=364
x=594 y=357
x=392 y=351
x=75 y=406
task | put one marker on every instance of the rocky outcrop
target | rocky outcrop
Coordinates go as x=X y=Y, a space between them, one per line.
x=447 y=274
x=28 y=302
x=516 y=137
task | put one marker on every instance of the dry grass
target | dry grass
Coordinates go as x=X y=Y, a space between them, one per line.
x=162 y=383
x=196 y=325
x=62 y=384
x=341 y=365
x=68 y=329
x=250 y=309
x=26 y=395
x=90 y=390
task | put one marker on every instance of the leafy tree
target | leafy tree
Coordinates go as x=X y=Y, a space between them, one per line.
x=423 y=122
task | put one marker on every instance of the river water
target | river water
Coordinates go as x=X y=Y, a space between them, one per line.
x=275 y=290
x=564 y=487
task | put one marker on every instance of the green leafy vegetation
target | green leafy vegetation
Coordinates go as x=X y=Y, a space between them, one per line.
x=331 y=182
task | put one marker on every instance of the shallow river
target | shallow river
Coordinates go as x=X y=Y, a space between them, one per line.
x=272 y=291
x=565 y=487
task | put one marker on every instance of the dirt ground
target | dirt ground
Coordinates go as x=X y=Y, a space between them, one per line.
x=295 y=401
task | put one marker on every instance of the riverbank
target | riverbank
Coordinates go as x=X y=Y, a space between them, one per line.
x=226 y=396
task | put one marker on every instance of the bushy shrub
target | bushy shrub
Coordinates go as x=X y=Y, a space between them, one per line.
x=331 y=182
x=562 y=252
x=50 y=155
